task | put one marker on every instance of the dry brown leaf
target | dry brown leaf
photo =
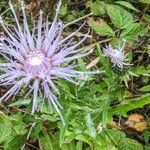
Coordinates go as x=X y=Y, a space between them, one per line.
x=136 y=122
x=93 y=63
x=33 y=5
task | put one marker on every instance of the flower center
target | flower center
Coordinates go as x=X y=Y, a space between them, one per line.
x=37 y=64
x=35 y=58
x=35 y=61
x=117 y=54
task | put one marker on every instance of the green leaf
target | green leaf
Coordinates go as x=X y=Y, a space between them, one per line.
x=37 y=129
x=115 y=135
x=98 y=8
x=145 y=1
x=16 y=143
x=21 y=102
x=129 y=144
x=119 y=16
x=147 y=18
x=85 y=138
x=145 y=88
x=130 y=105
x=62 y=84
x=69 y=146
x=63 y=128
x=146 y=135
x=133 y=30
x=126 y=4
x=63 y=10
x=104 y=62
x=146 y=148
x=79 y=145
x=48 y=117
x=46 y=142
x=90 y=125
x=141 y=70
x=101 y=28
x=5 y=131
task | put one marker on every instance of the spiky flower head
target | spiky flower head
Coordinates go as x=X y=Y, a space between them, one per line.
x=116 y=55
x=36 y=60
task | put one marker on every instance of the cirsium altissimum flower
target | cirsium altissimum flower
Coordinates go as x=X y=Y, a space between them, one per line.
x=37 y=58
x=116 y=55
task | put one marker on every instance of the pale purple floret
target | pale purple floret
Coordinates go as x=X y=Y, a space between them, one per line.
x=116 y=55
x=37 y=60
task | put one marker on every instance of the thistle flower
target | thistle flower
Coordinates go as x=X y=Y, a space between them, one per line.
x=37 y=60
x=116 y=55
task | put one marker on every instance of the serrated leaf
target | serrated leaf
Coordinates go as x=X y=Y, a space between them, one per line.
x=101 y=27
x=130 y=105
x=98 y=8
x=127 y=4
x=119 y=16
x=133 y=30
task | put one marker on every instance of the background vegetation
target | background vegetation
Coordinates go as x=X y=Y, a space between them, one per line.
x=109 y=111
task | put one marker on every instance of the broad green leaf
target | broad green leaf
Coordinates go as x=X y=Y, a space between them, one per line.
x=126 y=4
x=145 y=1
x=131 y=104
x=119 y=16
x=145 y=88
x=101 y=28
x=133 y=30
x=98 y=8
x=90 y=125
